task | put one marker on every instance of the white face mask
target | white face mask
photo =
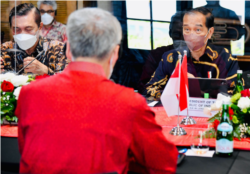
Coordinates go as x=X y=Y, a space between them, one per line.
x=26 y=41
x=110 y=66
x=47 y=19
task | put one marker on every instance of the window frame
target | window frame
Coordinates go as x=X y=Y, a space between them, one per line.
x=148 y=20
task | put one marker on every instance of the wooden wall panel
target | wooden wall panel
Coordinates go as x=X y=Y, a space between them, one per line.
x=71 y=6
x=4 y=12
x=5 y=9
x=89 y=3
x=6 y=29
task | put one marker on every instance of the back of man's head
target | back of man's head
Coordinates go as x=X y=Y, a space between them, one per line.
x=24 y=9
x=93 y=32
x=175 y=27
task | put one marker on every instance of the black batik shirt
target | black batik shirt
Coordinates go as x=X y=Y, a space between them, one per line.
x=53 y=56
x=218 y=60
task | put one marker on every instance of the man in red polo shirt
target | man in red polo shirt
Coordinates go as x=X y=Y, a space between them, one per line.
x=81 y=122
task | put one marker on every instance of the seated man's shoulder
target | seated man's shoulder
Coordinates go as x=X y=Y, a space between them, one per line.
x=171 y=56
x=218 y=51
x=125 y=95
x=53 y=43
x=60 y=25
x=7 y=45
x=120 y=96
x=222 y=53
x=41 y=84
x=56 y=43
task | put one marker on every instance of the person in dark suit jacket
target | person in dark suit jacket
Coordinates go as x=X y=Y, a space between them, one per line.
x=155 y=56
x=79 y=121
x=202 y=56
x=219 y=11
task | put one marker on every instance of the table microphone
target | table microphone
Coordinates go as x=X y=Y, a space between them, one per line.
x=31 y=61
x=15 y=50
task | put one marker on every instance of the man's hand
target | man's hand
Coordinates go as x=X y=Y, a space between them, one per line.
x=191 y=75
x=2 y=64
x=35 y=67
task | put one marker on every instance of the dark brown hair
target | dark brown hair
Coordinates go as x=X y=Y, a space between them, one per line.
x=206 y=12
x=24 y=9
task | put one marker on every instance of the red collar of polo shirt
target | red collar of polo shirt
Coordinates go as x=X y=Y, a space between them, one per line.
x=86 y=67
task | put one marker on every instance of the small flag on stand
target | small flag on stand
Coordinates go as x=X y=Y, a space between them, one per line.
x=170 y=94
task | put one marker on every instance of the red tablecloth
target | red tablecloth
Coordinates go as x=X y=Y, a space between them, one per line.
x=192 y=131
x=167 y=123
x=9 y=131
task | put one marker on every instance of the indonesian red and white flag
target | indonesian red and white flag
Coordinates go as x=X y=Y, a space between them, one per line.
x=169 y=97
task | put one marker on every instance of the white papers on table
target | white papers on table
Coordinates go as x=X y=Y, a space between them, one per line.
x=152 y=104
x=209 y=153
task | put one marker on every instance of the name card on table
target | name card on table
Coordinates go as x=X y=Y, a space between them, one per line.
x=197 y=105
x=152 y=104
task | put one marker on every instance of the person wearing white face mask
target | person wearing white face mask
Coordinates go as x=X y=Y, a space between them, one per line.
x=203 y=57
x=51 y=28
x=25 y=26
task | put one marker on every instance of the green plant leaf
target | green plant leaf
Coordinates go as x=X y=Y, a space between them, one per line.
x=2 y=104
x=10 y=107
x=236 y=132
x=244 y=110
x=13 y=100
x=235 y=97
x=3 y=112
x=235 y=107
x=15 y=119
x=9 y=94
x=248 y=130
x=216 y=116
x=7 y=118
x=235 y=120
x=210 y=133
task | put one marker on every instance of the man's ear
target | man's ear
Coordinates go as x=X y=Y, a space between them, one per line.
x=68 y=52
x=211 y=32
x=116 y=55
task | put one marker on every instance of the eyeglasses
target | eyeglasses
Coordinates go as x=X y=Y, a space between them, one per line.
x=49 y=11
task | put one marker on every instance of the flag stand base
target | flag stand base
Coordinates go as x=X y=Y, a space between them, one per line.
x=188 y=121
x=178 y=131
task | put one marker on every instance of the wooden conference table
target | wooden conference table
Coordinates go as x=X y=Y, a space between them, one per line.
x=239 y=163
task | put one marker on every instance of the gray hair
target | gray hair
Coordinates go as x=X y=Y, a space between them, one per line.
x=93 y=32
x=48 y=2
